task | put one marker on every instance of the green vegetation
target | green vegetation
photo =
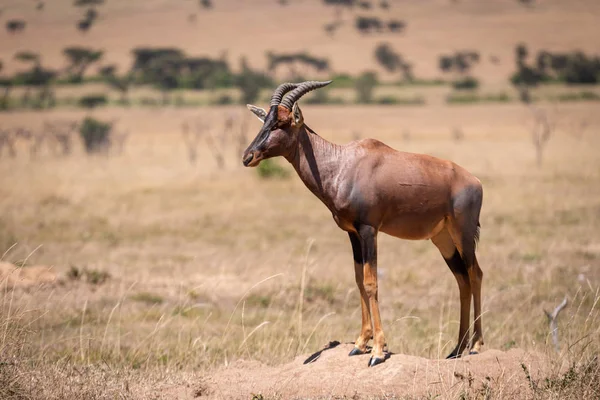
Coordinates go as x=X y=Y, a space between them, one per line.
x=364 y=86
x=577 y=96
x=470 y=98
x=148 y=298
x=407 y=101
x=91 y=276
x=95 y=135
x=270 y=169
x=169 y=70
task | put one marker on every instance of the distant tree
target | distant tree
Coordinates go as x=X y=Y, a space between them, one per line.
x=460 y=63
x=396 y=26
x=582 y=69
x=88 y=3
x=84 y=25
x=206 y=73
x=364 y=86
x=6 y=85
x=298 y=64
x=446 y=63
x=392 y=61
x=525 y=77
x=368 y=24
x=91 y=14
x=27 y=56
x=15 y=26
x=80 y=59
x=521 y=54
x=544 y=62
x=120 y=83
x=332 y=27
x=40 y=6
x=163 y=72
x=249 y=82
x=384 y=4
x=365 y=5
x=387 y=57
x=206 y=4
x=37 y=76
x=145 y=56
x=346 y=3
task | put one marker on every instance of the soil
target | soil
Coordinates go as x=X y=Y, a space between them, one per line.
x=330 y=373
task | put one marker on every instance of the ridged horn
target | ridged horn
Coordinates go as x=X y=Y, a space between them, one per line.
x=300 y=91
x=280 y=91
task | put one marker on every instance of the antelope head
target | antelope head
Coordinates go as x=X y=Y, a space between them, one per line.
x=281 y=124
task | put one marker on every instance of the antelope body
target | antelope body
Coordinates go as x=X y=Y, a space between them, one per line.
x=370 y=188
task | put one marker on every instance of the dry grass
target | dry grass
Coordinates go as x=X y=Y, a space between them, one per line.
x=182 y=269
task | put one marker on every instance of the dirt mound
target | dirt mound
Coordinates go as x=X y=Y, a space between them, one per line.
x=12 y=276
x=330 y=373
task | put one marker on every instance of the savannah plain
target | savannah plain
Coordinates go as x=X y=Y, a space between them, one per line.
x=141 y=275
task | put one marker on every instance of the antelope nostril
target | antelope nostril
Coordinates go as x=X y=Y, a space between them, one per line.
x=248 y=159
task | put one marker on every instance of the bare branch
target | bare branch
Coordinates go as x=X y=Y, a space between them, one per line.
x=552 y=319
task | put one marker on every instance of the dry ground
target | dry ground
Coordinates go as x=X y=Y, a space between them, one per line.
x=167 y=272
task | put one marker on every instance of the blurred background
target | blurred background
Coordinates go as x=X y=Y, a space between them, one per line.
x=132 y=237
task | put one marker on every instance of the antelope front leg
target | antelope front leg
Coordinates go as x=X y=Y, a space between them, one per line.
x=368 y=239
x=366 y=332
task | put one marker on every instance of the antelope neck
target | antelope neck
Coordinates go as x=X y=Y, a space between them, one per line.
x=318 y=163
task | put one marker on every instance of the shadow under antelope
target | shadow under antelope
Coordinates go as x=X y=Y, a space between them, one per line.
x=370 y=188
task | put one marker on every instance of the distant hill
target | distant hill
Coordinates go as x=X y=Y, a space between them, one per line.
x=236 y=28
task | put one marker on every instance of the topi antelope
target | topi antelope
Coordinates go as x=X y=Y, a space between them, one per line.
x=371 y=188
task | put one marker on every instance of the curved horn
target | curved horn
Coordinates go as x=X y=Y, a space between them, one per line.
x=300 y=91
x=280 y=91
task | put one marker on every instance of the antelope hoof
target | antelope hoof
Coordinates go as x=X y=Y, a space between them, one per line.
x=356 y=352
x=472 y=352
x=453 y=356
x=376 y=360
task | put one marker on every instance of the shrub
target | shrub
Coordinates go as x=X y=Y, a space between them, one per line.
x=86 y=3
x=270 y=169
x=15 y=25
x=224 y=99
x=364 y=85
x=465 y=83
x=526 y=76
x=93 y=100
x=408 y=101
x=343 y=81
x=580 y=96
x=95 y=135
x=475 y=98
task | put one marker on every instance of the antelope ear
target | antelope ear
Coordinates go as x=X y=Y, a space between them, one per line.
x=298 y=118
x=259 y=112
